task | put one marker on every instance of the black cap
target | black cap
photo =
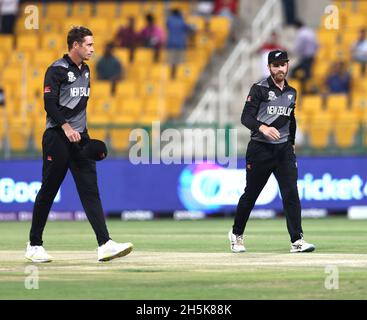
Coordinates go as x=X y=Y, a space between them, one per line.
x=277 y=56
x=94 y=149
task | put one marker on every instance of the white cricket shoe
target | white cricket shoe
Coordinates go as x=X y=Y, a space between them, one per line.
x=37 y=254
x=236 y=242
x=111 y=250
x=302 y=246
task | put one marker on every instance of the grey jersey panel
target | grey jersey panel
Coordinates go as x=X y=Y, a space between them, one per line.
x=72 y=90
x=273 y=108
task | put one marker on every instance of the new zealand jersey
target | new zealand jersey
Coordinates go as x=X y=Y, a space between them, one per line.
x=267 y=104
x=66 y=93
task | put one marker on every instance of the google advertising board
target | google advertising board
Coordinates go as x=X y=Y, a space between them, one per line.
x=332 y=183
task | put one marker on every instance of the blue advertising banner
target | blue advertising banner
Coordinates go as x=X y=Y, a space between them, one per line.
x=324 y=182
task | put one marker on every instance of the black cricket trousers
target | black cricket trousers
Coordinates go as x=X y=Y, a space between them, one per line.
x=263 y=159
x=59 y=155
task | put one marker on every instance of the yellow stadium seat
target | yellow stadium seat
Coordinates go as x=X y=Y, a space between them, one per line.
x=131 y=9
x=69 y=23
x=13 y=75
x=99 y=26
x=37 y=133
x=311 y=104
x=122 y=55
x=53 y=41
x=336 y=104
x=57 y=10
x=319 y=130
x=155 y=106
x=176 y=92
x=126 y=89
x=6 y=43
x=160 y=72
x=44 y=58
x=143 y=56
x=130 y=107
x=3 y=124
x=27 y=43
x=349 y=38
x=106 y=105
x=327 y=37
x=97 y=126
x=81 y=9
x=100 y=89
x=120 y=135
x=153 y=7
x=3 y=59
x=108 y=9
x=35 y=79
x=345 y=130
x=296 y=84
x=303 y=120
x=19 y=133
x=151 y=88
x=51 y=25
x=355 y=22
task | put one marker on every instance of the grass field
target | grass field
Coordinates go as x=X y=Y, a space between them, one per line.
x=188 y=260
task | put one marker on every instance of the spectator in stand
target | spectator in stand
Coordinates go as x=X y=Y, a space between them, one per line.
x=204 y=9
x=128 y=37
x=306 y=47
x=8 y=14
x=152 y=36
x=109 y=67
x=2 y=97
x=178 y=32
x=228 y=9
x=270 y=45
x=359 y=51
x=339 y=79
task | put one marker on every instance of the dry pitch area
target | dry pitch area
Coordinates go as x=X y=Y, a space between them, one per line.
x=189 y=260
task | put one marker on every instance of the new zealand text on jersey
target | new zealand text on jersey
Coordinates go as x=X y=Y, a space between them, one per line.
x=279 y=110
x=79 y=92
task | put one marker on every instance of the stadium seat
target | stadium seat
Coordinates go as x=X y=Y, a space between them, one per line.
x=43 y=59
x=56 y=10
x=311 y=104
x=345 y=130
x=355 y=22
x=120 y=135
x=105 y=105
x=53 y=41
x=37 y=132
x=12 y=75
x=131 y=9
x=155 y=106
x=319 y=130
x=336 y=104
x=150 y=89
x=160 y=72
x=99 y=26
x=69 y=23
x=100 y=89
x=125 y=90
x=19 y=133
x=82 y=10
x=130 y=107
x=97 y=126
x=108 y=9
x=27 y=43
x=6 y=43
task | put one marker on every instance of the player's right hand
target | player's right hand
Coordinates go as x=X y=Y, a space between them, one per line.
x=71 y=134
x=270 y=132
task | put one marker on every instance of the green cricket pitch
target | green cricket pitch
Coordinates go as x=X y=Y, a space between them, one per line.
x=189 y=260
